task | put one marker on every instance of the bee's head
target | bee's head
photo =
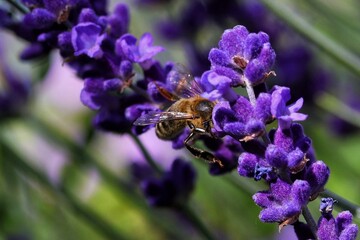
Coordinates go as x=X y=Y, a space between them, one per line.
x=204 y=108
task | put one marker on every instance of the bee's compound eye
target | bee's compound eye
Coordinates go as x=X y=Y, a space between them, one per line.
x=204 y=107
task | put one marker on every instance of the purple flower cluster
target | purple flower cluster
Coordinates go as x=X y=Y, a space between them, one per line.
x=330 y=228
x=45 y=22
x=99 y=48
x=245 y=58
x=284 y=159
x=172 y=189
x=295 y=66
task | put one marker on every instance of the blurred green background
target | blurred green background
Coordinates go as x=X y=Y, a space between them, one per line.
x=55 y=186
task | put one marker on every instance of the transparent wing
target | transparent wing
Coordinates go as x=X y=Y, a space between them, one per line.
x=156 y=117
x=183 y=83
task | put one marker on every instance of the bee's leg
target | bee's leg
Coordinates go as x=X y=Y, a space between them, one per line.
x=207 y=156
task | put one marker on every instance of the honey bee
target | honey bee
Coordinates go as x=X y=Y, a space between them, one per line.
x=189 y=109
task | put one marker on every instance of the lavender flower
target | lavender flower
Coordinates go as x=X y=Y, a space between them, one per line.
x=217 y=86
x=244 y=58
x=227 y=150
x=283 y=201
x=86 y=39
x=282 y=160
x=285 y=115
x=142 y=54
x=295 y=65
x=14 y=95
x=174 y=188
x=133 y=112
x=102 y=52
x=46 y=21
x=330 y=228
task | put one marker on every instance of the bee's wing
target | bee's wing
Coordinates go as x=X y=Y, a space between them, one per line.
x=156 y=117
x=183 y=83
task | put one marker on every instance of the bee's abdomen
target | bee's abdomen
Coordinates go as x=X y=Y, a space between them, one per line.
x=170 y=129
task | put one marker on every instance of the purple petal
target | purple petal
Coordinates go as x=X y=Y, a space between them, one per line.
x=86 y=39
x=300 y=192
x=343 y=220
x=222 y=113
x=295 y=158
x=262 y=109
x=317 y=175
x=124 y=46
x=88 y=15
x=263 y=199
x=64 y=42
x=284 y=122
x=94 y=85
x=278 y=99
x=214 y=85
x=119 y=21
x=297 y=105
x=135 y=111
x=235 y=129
x=254 y=127
x=275 y=214
x=146 y=50
x=218 y=57
x=298 y=116
x=233 y=40
x=114 y=84
x=237 y=79
x=243 y=109
x=247 y=163
x=40 y=18
x=276 y=157
x=327 y=229
x=126 y=69
x=55 y=6
x=32 y=51
x=255 y=72
x=87 y=99
x=252 y=47
x=349 y=233
x=267 y=56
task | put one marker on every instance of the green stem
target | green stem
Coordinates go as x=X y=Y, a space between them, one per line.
x=310 y=221
x=92 y=217
x=185 y=210
x=241 y=183
x=146 y=154
x=89 y=216
x=342 y=203
x=190 y=215
x=79 y=154
x=18 y=6
x=331 y=14
x=82 y=156
x=332 y=48
x=338 y=108
x=250 y=93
